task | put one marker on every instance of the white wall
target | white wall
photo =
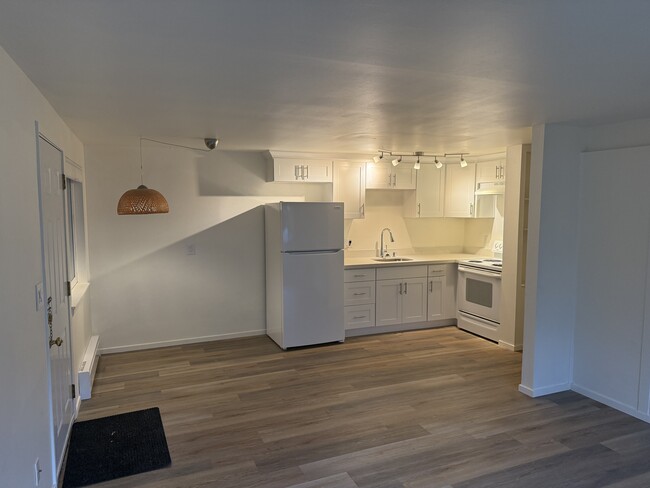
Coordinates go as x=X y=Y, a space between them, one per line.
x=553 y=246
x=24 y=409
x=147 y=291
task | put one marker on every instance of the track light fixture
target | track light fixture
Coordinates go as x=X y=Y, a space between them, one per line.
x=419 y=154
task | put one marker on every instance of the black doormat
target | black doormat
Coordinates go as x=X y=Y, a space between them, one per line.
x=116 y=446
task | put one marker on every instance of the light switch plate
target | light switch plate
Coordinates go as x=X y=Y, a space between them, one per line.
x=39 y=295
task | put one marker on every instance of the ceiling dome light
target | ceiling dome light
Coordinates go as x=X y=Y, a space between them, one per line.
x=396 y=161
x=416 y=166
x=436 y=162
x=463 y=163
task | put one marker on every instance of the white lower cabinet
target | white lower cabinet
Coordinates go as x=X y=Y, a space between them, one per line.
x=441 y=288
x=359 y=298
x=401 y=295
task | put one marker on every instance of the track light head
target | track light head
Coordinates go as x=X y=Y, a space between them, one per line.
x=463 y=163
x=436 y=162
x=376 y=159
x=396 y=161
x=416 y=166
x=211 y=142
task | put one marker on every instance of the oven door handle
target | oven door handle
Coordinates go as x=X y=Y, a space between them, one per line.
x=477 y=272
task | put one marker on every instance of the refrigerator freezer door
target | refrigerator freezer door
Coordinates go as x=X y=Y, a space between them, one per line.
x=313 y=298
x=312 y=226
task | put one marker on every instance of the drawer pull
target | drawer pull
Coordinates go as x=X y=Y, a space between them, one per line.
x=359 y=294
x=359 y=276
x=359 y=317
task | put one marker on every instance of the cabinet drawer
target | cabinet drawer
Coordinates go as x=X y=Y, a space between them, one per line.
x=359 y=293
x=398 y=272
x=437 y=269
x=359 y=274
x=358 y=316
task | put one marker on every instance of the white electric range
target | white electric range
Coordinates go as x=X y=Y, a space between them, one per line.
x=479 y=296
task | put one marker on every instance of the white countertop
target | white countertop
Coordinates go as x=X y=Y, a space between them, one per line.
x=366 y=262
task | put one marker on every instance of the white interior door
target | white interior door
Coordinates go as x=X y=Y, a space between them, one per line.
x=57 y=312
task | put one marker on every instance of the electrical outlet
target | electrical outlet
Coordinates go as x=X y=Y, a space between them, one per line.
x=37 y=472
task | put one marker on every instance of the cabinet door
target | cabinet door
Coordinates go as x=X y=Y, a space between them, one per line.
x=317 y=171
x=389 y=302
x=488 y=171
x=414 y=300
x=379 y=175
x=286 y=170
x=459 y=190
x=404 y=177
x=350 y=188
x=435 y=300
x=430 y=191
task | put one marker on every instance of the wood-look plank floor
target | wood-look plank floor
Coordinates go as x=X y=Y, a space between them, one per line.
x=431 y=408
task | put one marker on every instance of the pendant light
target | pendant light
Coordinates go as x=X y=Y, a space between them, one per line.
x=143 y=200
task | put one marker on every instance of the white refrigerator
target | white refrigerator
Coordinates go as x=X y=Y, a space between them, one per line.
x=304 y=273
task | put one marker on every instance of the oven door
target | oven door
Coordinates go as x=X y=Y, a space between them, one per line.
x=479 y=292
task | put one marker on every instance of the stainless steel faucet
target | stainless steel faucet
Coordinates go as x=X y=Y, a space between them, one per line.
x=384 y=252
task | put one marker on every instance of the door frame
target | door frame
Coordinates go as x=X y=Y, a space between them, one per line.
x=56 y=466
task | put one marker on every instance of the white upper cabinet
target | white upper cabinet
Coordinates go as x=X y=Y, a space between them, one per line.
x=491 y=171
x=459 y=194
x=385 y=176
x=429 y=196
x=350 y=187
x=302 y=170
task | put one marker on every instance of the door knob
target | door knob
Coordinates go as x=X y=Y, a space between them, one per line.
x=58 y=341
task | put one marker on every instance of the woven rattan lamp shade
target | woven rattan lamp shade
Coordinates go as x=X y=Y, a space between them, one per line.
x=142 y=201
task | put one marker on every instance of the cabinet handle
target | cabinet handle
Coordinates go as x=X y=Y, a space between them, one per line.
x=395 y=180
x=390 y=180
x=296 y=171
x=362 y=209
x=418 y=209
x=359 y=276
x=358 y=316
x=359 y=294
x=496 y=172
x=501 y=172
x=406 y=288
x=307 y=175
x=400 y=289
x=431 y=286
x=471 y=209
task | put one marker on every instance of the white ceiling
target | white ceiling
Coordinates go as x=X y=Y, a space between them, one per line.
x=333 y=75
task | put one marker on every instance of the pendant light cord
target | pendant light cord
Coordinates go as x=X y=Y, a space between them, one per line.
x=141 y=171
x=170 y=144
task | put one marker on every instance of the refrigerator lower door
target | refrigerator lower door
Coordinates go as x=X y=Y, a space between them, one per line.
x=312 y=298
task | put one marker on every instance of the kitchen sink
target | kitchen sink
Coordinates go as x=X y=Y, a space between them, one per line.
x=392 y=259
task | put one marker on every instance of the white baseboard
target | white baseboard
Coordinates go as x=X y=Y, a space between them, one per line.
x=543 y=390
x=180 y=342
x=510 y=347
x=610 y=402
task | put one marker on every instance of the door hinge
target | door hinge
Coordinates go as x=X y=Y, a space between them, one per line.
x=73 y=390
x=63 y=181
x=68 y=289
